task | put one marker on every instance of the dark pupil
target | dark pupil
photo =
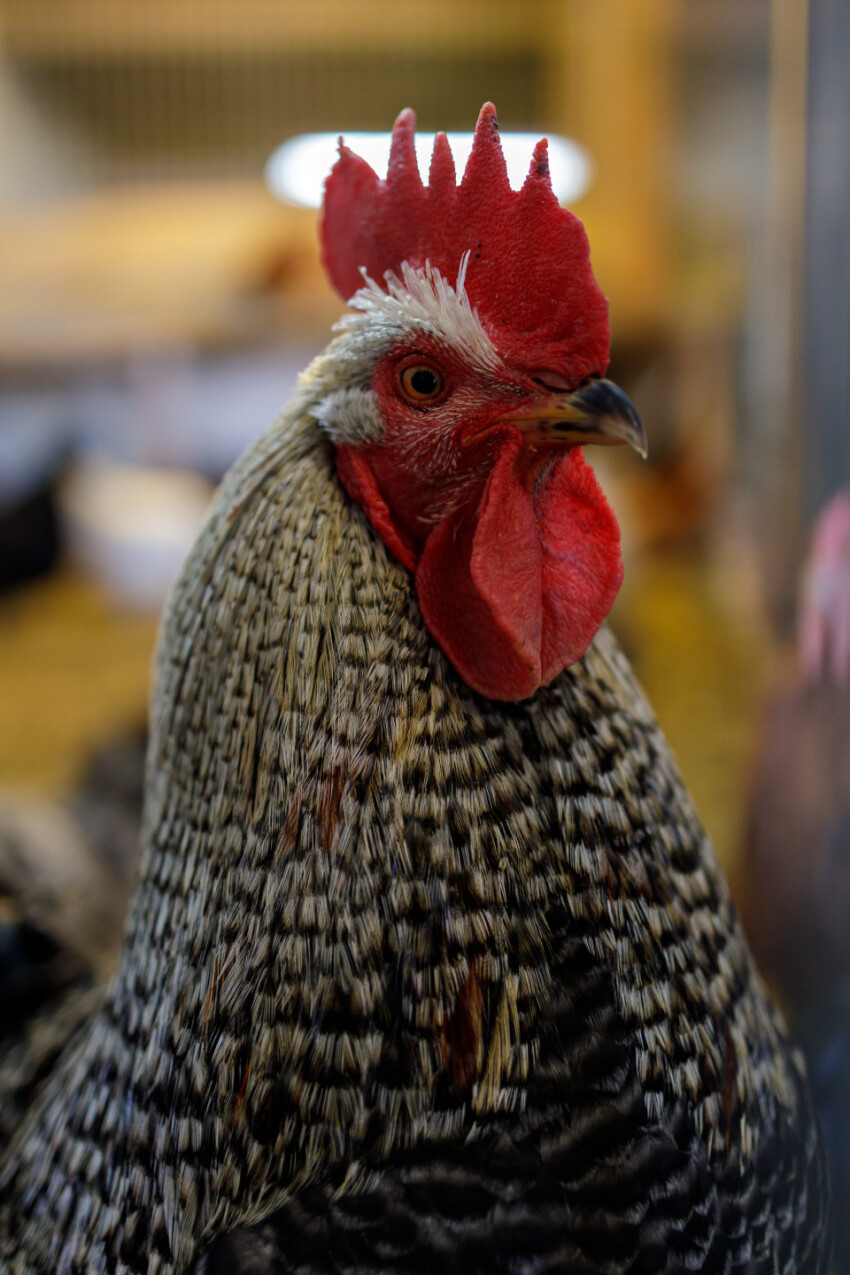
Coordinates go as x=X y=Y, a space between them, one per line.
x=424 y=381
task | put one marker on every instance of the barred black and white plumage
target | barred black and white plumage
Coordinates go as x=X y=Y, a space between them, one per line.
x=417 y=978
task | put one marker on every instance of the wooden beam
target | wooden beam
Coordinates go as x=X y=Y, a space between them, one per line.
x=50 y=28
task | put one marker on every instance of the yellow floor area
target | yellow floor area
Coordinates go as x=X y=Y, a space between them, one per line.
x=74 y=669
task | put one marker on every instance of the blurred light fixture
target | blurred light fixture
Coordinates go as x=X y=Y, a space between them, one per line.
x=297 y=170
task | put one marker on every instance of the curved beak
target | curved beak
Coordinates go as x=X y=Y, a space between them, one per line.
x=597 y=412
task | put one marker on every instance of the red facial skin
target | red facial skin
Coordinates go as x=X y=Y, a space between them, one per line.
x=515 y=550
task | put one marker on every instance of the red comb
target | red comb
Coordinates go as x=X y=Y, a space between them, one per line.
x=529 y=274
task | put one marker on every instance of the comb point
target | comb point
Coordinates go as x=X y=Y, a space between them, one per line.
x=403 y=167
x=539 y=168
x=441 y=174
x=487 y=116
x=486 y=156
x=352 y=182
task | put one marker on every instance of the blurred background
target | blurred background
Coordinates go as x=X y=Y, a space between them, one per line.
x=157 y=301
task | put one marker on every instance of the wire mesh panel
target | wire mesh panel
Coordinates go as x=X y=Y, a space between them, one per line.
x=212 y=87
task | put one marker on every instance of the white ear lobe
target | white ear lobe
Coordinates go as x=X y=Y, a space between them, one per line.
x=350 y=415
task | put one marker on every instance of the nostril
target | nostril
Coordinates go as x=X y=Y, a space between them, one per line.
x=559 y=384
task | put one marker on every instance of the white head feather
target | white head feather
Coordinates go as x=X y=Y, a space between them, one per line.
x=424 y=299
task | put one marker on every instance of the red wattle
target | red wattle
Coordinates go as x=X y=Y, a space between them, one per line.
x=582 y=566
x=515 y=585
x=357 y=478
x=488 y=659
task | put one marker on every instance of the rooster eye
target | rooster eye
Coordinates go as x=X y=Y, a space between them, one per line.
x=421 y=382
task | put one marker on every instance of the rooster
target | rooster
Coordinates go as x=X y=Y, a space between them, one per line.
x=430 y=965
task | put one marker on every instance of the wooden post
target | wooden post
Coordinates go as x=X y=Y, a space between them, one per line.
x=610 y=86
x=777 y=407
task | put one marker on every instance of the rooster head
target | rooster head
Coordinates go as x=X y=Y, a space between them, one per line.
x=459 y=394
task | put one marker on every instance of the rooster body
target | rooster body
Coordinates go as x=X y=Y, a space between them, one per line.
x=416 y=974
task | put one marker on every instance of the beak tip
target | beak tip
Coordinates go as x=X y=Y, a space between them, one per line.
x=610 y=415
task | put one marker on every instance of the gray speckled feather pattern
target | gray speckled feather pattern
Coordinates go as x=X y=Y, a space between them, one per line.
x=412 y=980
